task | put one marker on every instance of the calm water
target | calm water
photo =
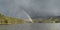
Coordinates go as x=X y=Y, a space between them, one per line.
x=34 y=26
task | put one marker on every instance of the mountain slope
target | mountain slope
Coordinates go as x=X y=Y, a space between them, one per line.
x=10 y=20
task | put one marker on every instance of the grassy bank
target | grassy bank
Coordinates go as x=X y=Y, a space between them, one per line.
x=10 y=20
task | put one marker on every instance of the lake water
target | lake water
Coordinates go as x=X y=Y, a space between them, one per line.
x=31 y=26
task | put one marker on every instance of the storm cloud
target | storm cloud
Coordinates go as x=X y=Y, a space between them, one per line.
x=34 y=8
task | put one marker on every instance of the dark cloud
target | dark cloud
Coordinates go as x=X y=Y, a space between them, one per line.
x=34 y=8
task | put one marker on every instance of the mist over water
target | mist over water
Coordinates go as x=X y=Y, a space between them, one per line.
x=33 y=8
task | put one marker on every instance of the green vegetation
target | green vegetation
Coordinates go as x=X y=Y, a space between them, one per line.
x=50 y=20
x=10 y=20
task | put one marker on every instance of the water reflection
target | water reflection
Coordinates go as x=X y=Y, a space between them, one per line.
x=34 y=26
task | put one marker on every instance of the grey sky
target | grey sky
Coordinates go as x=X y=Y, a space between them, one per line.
x=33 y=7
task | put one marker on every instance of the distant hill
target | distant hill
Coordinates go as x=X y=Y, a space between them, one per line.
x=10 y=20
x=52 y=19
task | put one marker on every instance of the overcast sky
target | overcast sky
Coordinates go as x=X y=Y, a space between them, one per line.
x=34 y=8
